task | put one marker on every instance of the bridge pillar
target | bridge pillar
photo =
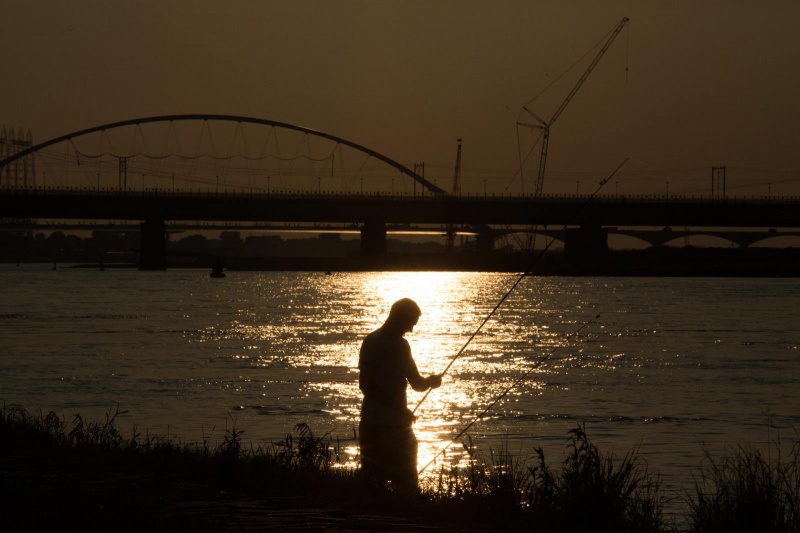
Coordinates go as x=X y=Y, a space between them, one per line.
x=373 y=240
x=153 y=245
x=586 y=242
x=485 y=242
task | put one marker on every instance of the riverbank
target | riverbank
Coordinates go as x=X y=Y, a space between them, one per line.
x=86 y=476
x=651 y=262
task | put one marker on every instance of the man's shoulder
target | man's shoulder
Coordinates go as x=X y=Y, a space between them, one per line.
x=373 y=337
x=371 y=343
x=380 y=340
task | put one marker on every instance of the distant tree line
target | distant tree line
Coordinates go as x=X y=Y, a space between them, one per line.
x=122 y=246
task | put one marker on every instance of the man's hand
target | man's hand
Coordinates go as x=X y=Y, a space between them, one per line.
x=434 y=381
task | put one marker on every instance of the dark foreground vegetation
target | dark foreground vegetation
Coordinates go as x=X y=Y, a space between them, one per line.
x=87 y=476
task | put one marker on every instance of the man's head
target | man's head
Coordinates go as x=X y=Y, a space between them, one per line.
x=403 y=315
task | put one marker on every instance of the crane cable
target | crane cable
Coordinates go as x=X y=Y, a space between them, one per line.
x=542 y=359
x=522 y=276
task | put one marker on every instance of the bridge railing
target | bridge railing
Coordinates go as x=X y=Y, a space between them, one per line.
x=467 y=196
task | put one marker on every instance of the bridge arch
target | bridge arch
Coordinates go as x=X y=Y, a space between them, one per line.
x=232 y=119
x=523 y=237
x=789 y=239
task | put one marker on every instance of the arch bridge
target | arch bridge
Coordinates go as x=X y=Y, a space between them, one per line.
x=249 y=170
x=211 y=152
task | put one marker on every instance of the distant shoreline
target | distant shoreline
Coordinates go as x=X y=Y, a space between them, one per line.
x=651 y=262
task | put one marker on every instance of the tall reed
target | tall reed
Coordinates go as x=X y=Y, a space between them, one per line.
x=745 y=491
x=585 y=490
x=595 y=492
x=590 y=491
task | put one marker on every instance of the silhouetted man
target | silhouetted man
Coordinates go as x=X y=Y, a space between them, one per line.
x=388 y=444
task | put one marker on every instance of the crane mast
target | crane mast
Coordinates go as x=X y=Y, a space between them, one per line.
x=545 y=125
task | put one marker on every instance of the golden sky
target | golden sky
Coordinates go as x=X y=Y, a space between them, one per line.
x=687 y=85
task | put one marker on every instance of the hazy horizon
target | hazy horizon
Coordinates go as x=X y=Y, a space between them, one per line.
x=683 y=88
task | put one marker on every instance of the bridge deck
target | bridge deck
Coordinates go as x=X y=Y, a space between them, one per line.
x=428 y=209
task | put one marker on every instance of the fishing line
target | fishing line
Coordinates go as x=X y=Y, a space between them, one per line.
x=522 y=276
x=503 y=299
x=536 y=365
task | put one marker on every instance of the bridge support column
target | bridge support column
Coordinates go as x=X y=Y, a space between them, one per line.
x=485 y=243
x=585 y=243
x=373 y=240
x=153 y=245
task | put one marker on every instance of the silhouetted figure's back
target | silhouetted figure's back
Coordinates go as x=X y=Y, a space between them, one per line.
x=387 y=440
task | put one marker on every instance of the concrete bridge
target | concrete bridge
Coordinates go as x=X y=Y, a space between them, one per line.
x=583 y=224
x=107 y=193
x=652 y=237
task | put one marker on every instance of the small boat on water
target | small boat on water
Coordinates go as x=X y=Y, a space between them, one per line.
x=216 y=271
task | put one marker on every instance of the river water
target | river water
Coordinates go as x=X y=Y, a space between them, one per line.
x=671 y=365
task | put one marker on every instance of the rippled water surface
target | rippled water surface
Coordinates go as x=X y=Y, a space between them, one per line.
x=670 y=364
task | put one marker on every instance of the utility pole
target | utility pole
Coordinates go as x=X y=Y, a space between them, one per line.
x=457 y=173
x=21 y=173
x=419 y=170
x=718 y=183
x=123 y=174
x=451 y=232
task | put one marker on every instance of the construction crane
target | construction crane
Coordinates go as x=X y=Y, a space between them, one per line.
x=546 y=125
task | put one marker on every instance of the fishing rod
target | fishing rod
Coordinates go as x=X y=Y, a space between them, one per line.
x=522 y=276
x=497 y=400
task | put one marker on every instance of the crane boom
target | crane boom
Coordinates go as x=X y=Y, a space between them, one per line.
x=594 y=63
x=545 y=126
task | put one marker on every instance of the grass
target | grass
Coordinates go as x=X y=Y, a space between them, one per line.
x=589 y=491
x=595 y=491
x=89 y=475
x=745 y=491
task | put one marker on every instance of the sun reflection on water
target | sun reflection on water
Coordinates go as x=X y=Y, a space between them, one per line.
x=452 y=309
x=309 y=332
x=273 y=349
